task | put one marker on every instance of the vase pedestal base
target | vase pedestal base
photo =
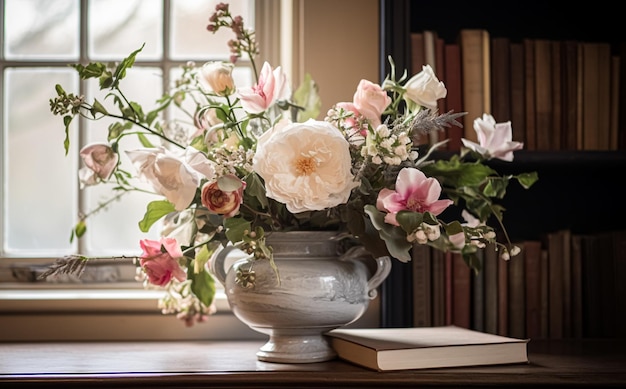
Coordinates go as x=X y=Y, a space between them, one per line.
x=296 y=345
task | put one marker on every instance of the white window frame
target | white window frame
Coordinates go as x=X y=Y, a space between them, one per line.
x=41 y=311
x=125 y=311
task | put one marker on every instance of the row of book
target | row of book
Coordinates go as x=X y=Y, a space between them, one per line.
x=565 y=285
x=558 y=95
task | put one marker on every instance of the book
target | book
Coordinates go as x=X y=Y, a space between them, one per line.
x=569 y=90
x=543 y=94
x=532 y=276
x=591 y=96
x=615 y=98
x=430 y=57
x=478 y=295
x=503 y=297
x=475 y=58
x=454 y=100
x=557 y=96
x=555 y=288
x=422 y=298
x=577 y=287
x=438 y=288
x=501 y=79
x=517 y=98
x=529 y=86
x=386 y=349
x=604 y=96
x=490 y=268
x=517 y=297
x=461 y=292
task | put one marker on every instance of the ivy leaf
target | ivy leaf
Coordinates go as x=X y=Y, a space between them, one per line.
x=527 y=179
x=236 y=228
x=126 y=63
x=395 y=238
x=202 y=285
x=155 y=211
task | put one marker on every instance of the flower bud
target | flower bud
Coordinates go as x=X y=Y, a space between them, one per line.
x=218 y=77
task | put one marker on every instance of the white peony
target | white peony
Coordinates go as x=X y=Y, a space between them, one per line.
x=306 y=166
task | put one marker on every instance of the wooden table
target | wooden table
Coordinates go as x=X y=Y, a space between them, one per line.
x=234 y=365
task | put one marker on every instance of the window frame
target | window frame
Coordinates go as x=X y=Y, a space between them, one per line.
x=78 y=310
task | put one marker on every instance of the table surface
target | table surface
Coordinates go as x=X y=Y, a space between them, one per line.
x=194 y=364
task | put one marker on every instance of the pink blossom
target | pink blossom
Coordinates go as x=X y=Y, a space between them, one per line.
x=100 y=159
x=272 y=86
x=371 y=100
x=414 y=192
x=160 y=261
x=495 y=139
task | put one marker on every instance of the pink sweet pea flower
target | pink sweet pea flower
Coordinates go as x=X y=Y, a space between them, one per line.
x=272 y=86
x=160 y=261
x=414 y=192
x=495 y=139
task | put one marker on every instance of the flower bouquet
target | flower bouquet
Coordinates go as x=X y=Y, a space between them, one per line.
x=253 y=160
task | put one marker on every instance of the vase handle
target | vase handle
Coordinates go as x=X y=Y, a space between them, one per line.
x=383 y=267
x=218 y=262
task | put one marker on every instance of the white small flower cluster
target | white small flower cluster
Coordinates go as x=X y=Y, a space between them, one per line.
x=425 y=233
x=383 y=146
x=181 y=301
x=231 y=161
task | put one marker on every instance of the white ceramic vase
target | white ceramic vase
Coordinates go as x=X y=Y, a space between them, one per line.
x=314 y=291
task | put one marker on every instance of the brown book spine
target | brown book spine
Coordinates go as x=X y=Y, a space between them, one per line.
x=529 y=73
x=566 y=236
x=490 y=268
x=569 y=93
x=517 y=297
x=543 y=94
x=418 y=60
x=615 y=82
x=454 y=85
x=503 y=297
x=557 y=91
x=422 y=299
x=591 y=94
x=532 y=276
x=438 y=288
x=476 y=86
x=555 y=287
x=517 y=98
x=577 y=287
x=604 y=96
x=462 y=292
x=500 y=79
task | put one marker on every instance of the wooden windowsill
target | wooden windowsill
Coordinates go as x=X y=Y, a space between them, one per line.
x=234 y=364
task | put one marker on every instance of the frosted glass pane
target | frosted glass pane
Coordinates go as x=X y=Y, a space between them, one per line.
x=119 y=27
x=41 y=182
x=190 y=38
x=41 y=29
x=115 y=231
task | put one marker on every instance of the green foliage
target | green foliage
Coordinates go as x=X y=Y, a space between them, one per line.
x=154 y=212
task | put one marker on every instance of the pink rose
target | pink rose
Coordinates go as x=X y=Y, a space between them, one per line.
x=160 y=261
x=414 y=192
x=371 y=100
x=218 y=197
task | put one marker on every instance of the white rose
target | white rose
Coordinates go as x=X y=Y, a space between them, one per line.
x=218 y=77
x=173 y=176
x=425 y=89
x=306 y=166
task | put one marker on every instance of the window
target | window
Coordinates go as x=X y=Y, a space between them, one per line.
x=40 y=197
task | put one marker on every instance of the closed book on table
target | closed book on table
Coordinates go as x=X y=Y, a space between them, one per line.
x=385 y=349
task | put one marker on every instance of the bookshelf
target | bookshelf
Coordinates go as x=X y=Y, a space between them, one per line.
x=578 y=190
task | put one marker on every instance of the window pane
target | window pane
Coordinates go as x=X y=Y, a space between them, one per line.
x=114 y=231
x=119 y=27
x=190 y=38
x=40 y=203
x=41 y=29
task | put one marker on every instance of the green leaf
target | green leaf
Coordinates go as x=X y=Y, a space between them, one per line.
x=202 y=285
x=80 y=228
x=394 y=237
x=409 y=221
x=126 y=63
x=144 y=140
x=527 y=179
x=256 y=189
x=307 y=97
x=155 y=211
x=67 y=120
x=98 y=108
x=236 y=228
